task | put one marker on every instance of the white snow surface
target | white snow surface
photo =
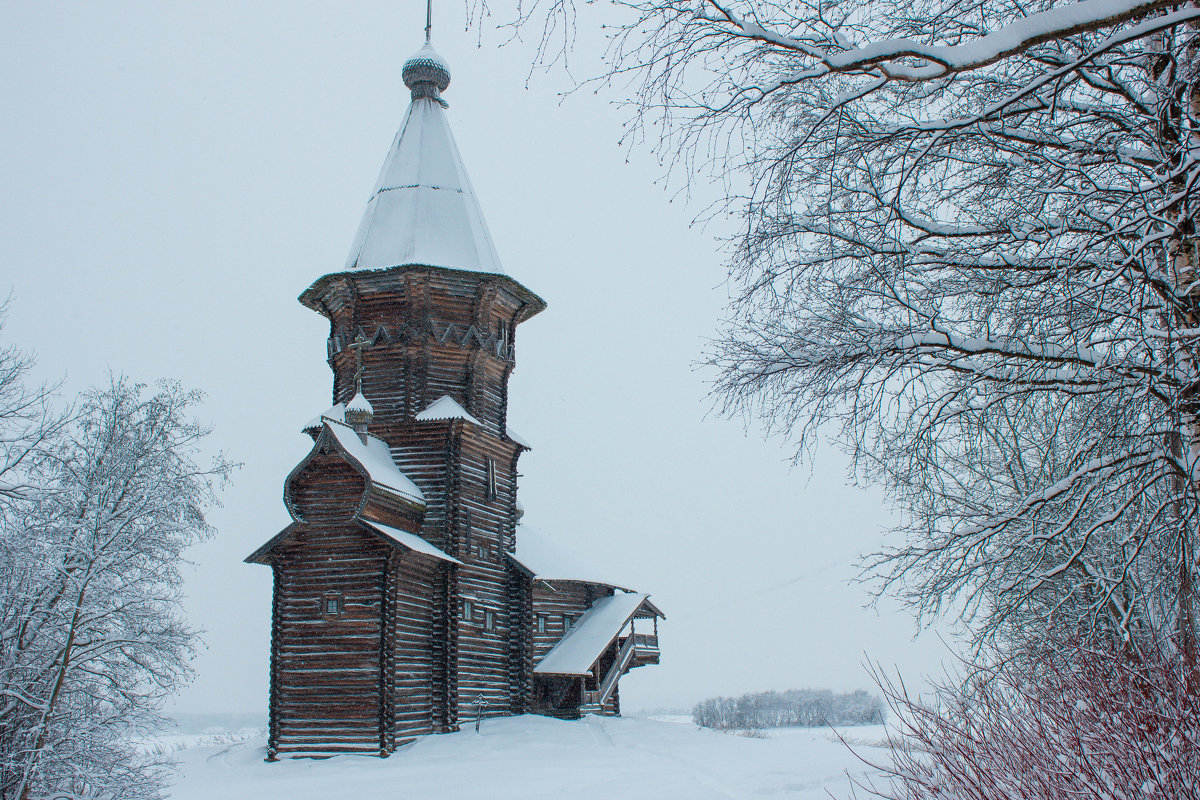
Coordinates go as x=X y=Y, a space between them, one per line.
x=1063 y=20
x=516 y=437
x=337 y=414
x=360 y=404
x=538 y=758
x=585 y=642
x=409 y=540
x=548 y=561
x=445 y=407
x=423 y=209
x=376 y=459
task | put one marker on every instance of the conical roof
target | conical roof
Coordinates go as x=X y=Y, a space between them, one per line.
x=423 y=210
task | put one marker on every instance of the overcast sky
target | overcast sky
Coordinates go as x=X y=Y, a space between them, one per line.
x=174 y=175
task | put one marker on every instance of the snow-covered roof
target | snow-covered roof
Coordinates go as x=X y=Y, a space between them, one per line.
x=409 y=540
x=516 y=437
x=359 y=405
x=586 y=641
x=546 y=560
x=376 y=460
x=423 y=209
x=445 y=407
x=337 y=414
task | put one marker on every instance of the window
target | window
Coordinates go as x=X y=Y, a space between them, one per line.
x=468 y=610
x=489 y=620
x=568 y=622
x=331 y=604
x=467 y=529
x=491 y=479
x=541 y=623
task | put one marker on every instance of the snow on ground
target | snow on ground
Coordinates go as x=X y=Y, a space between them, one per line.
x=531 y=757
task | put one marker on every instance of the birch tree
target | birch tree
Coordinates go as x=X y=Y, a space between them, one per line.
x=967 y=248
x=91 y=634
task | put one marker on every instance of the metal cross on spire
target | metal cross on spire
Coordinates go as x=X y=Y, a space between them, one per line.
x=428 y=19
x=360 y=342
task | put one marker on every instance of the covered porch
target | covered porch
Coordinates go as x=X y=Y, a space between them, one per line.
x=581 y=674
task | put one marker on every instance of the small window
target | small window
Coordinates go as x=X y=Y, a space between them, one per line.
x=541 y=623
x=568 y=622
x=491 y=479
x=467 y=529
x=489 y=620
x=468 y=610
x=331 y=604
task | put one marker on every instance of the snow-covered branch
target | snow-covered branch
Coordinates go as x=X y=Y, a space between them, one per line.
x=91 y=638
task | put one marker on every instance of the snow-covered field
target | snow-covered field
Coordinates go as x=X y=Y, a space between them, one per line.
x=537 y=757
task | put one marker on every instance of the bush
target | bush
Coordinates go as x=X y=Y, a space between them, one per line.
x=796 y=707
x=1092 y=723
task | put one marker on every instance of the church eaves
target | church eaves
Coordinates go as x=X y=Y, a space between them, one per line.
x=423 y=210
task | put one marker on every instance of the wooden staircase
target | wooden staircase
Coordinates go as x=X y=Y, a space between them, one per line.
x=593 y=702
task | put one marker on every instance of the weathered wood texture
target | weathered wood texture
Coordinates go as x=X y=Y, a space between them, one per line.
x=520 y=641
x=433 y=332
x=556 y=603
x=414 y=645
x=328 y=666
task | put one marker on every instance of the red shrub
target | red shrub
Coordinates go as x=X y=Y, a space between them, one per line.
x=1095 y=725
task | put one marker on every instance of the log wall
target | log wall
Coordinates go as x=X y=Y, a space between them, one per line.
x=410 y=673
x=327 y=666
x=433 y=333
x=553 y=601
x=401 y=657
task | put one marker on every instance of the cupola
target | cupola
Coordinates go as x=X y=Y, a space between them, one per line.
x=426 y=74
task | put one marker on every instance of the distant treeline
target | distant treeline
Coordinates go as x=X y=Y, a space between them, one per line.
x=795 y=707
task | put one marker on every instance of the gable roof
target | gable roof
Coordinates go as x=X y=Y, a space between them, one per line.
x=393 y=535
x=337 y=414
x=259 y=555
x=408 y=540
x=545 y=559
x=516 y=438
x=592 y=634
x=445 y=407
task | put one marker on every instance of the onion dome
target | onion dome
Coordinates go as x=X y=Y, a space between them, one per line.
x=426 y=74
x=359 y=411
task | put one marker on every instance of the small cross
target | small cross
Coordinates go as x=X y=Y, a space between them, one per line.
x=360 y=342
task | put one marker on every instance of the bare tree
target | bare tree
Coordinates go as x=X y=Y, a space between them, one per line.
x=29 y=423
x=968 y=245
x=91 y=634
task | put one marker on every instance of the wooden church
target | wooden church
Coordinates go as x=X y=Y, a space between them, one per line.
x=407 y=594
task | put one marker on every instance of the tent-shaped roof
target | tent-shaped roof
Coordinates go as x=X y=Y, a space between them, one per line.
x=586 y=641
x=423 y=209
